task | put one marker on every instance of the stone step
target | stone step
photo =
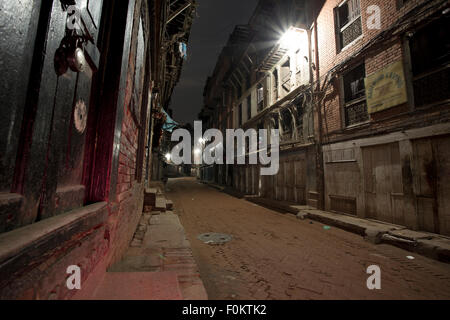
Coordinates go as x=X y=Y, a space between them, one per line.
x=150 y=197
x=138 y=286
x=161 y=204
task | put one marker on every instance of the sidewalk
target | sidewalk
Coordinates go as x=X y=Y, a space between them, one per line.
x=158 y=265
x=427 y=244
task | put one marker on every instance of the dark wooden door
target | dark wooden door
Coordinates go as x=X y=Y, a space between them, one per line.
x=49 y=166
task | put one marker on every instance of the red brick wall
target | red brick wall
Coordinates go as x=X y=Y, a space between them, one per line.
x=327 y=40
x=126 y=215
x=130 y=194
x=375 y=59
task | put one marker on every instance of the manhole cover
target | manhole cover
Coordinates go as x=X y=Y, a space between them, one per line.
x=215 y=238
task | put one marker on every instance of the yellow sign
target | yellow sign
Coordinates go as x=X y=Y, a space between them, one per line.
x=386 y=88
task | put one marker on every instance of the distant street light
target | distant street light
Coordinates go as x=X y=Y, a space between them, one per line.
x=168 y=157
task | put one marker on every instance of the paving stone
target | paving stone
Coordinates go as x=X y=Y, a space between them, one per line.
x=160 y=245
x=139 y=286
x=160 y=204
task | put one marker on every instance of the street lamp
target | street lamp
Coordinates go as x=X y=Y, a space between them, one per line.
x=168 y=157
x=293 y=38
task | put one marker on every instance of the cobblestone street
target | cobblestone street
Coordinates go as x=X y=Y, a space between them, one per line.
x=276 y=256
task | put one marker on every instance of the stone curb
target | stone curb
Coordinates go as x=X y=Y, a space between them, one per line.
x=430 y=245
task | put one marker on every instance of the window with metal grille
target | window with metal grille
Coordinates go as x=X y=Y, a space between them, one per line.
x=355 y=106
x=348 y=23
x=430 y=57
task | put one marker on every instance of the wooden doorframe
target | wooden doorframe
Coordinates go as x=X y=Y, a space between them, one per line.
x=107 y=111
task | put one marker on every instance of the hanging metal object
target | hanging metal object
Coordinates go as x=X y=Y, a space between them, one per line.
x=76 y=57
x=70 y=54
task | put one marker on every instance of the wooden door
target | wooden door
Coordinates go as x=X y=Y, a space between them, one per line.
x=49 y=170
x=383 y=183
x=300 y=179
x=432 y=184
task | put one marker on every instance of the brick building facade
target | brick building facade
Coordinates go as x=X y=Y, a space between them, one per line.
x=366 y=132
x=81 y=105
x=261 y=84
x=387 y=160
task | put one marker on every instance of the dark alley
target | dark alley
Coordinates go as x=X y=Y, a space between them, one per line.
x=225 y=158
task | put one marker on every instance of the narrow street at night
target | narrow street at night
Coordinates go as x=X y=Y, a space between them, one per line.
x=276 y=256
x=225 y=158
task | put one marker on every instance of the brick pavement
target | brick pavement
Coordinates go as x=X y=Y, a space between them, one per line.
x=276 y=256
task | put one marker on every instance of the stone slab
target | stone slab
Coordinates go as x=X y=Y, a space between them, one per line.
x=138 y=286
x=160 y=204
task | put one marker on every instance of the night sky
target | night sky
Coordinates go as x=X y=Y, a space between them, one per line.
x=214 y=22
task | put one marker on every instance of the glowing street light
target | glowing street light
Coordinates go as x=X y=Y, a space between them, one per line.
x=293 y=39
x=168 y=157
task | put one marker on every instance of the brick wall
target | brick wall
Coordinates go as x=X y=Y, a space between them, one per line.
x=375 y=59
x=128 y=205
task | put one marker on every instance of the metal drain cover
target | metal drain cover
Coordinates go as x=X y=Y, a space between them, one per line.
x=215 y=238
